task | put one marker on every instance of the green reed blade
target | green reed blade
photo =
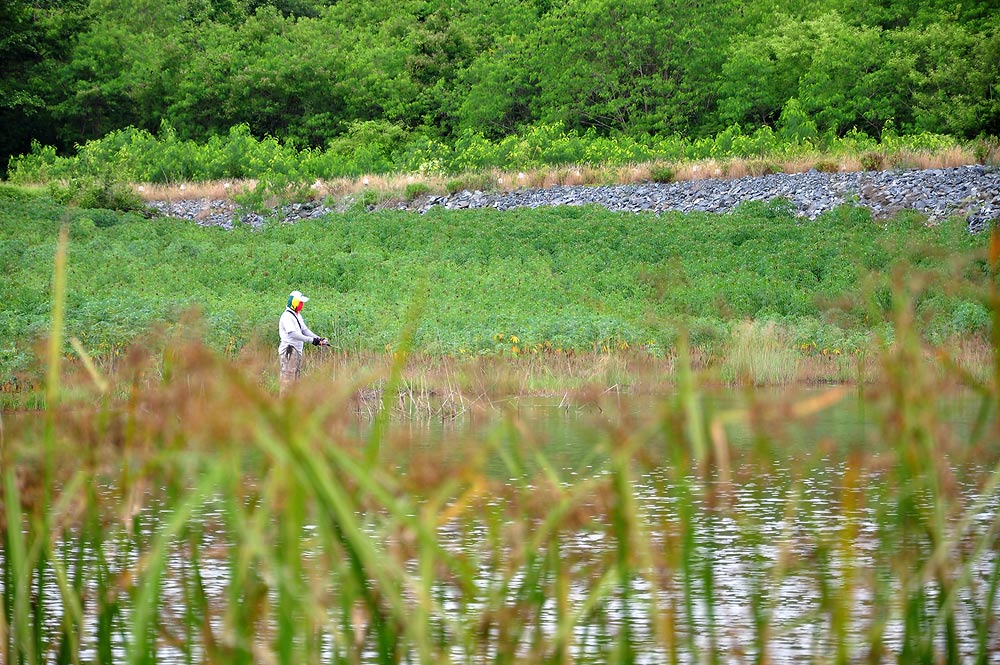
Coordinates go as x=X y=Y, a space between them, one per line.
x=5 y=602
x=88 y=363
x=601 y=590
x=36 y=557
x=690 y=399
x=623 y=528
x=247 y=588
x=957 y=542
x=528 y=591
x=432 y=557
x=381 y=488
x=365 y=558
x=108 y=610
x=418 y=629
x=57 y=319
x=32 y=587
x=986 y=620
x=389 y=390
x=286 y=561
x=20 y=573
x=198 y=608
x=70 y=594
x=141 y=648
x=560 y=653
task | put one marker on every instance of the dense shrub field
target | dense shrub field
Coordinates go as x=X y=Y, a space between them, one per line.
x=138 y=156
x=524 y=281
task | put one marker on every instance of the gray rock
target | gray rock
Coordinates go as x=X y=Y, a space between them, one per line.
x=969 y=191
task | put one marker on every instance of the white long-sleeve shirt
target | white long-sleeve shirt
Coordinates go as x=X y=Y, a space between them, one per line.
x=293 y=331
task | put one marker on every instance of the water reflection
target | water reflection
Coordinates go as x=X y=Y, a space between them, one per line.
x=774 y=549
x=773 y=562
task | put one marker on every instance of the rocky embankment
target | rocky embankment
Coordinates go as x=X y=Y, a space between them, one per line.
x=972 y=192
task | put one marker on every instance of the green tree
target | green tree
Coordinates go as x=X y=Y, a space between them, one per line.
x=280 y=76
x=494 y=93
x=954 y=77
x=899 y=14
x=98 y=85
x=762 y=73
x=407 y=59
x=437 y=49
x=35 y=37
x=843 y=76
x=306 y=8
x=124 y=66
x=853 y=79
x=311 y=72
x=634 y=67
x=795 y=124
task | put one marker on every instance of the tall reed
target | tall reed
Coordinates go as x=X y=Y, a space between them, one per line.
x=759 y=356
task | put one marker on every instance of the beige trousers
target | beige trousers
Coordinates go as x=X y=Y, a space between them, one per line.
x=291 y=367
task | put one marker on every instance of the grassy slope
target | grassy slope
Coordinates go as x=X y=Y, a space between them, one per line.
x=570 y=277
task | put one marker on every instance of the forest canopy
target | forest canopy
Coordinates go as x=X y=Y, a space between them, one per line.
x=314 y=72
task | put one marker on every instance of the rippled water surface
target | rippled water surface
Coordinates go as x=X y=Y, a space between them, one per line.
x=785 y=510
x=776 y=548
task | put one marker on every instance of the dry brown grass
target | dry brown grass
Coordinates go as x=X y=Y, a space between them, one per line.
x=949 y=158
x=846 y=368
x=215 y=189
x=700 y=170
x=395 y=185
x=448 y=387
x=489 y=378
x=972 y=358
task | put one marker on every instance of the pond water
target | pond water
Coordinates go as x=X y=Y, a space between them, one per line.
x=786 y=510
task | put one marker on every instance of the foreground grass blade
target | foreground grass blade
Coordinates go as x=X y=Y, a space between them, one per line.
x=141 y=648
x=19 y=577
x=70 y=593
x=400 y=354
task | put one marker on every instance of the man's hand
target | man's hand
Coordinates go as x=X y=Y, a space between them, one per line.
x=323 y=341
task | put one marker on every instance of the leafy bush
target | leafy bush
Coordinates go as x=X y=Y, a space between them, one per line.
x=872 y=161
x=39 y=166
x=367 y=199
x=969 y=318
x=416 y=189
x=102 y=192
x=381 y=147
x=14 y=193
x=795 y=125
x=662 y=174
x=986 y=150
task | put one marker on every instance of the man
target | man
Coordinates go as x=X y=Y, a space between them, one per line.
x=294 y=333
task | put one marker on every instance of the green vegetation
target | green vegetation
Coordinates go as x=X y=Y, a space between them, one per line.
x=157 y=502
x=369 y=86
x=192 y=517
x=543 y=281
x=133 y=155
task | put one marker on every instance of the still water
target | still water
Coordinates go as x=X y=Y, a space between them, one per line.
x=758 y=536
x=786 y=508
